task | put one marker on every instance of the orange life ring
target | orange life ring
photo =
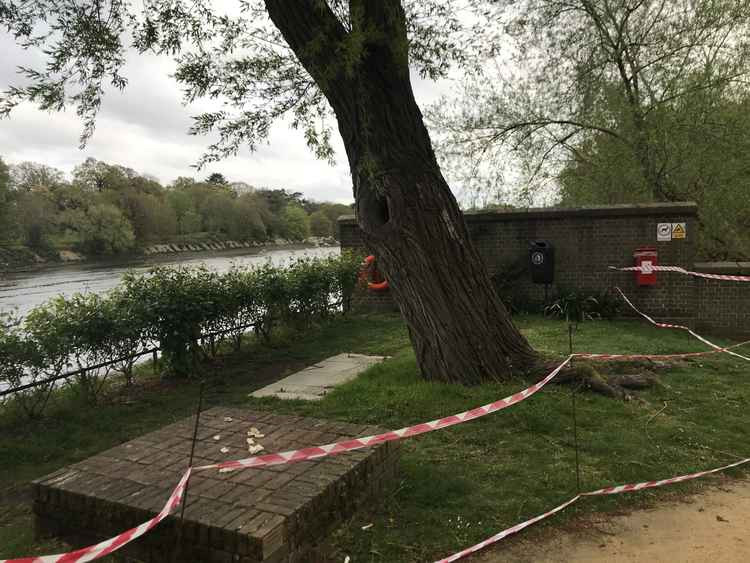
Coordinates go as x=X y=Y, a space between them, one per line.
x=369 y=274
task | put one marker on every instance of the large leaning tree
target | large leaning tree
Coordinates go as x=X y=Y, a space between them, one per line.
x=309 y=59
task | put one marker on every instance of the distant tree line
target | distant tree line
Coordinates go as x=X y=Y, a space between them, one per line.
x=109 y=209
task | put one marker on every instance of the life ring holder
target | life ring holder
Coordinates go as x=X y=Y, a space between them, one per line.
x=369 y=272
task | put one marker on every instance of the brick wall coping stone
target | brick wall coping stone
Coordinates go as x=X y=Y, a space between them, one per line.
x=675 y=208
x=738 y=268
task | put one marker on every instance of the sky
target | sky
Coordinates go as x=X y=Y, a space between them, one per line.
x=145 y=128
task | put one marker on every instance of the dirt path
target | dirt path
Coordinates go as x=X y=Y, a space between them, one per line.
x=710 y=527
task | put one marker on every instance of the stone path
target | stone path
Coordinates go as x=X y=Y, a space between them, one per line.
x=313 y=382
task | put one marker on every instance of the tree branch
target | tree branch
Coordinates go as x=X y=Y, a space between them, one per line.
x=317 y=38
x=546 y=122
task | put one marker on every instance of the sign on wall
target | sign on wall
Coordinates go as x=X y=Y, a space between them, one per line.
x=666 y=232
x=679 y=231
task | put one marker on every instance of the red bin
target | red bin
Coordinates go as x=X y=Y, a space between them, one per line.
x=646 y=257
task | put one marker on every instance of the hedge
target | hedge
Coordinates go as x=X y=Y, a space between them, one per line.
x=186 y=312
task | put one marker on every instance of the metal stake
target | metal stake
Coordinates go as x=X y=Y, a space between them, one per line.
x=190 y=464
x=575 y=438
x=570 y=339
x=575 y=417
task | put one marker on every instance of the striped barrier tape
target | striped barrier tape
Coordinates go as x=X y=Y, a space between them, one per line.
x=628 y=357
x=599 y=492
x=648 y=269
x=104 y=548
x=113 y=544
x=681 y=327
x=407 y=432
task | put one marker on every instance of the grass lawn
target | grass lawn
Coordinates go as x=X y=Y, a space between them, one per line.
x=458 y=485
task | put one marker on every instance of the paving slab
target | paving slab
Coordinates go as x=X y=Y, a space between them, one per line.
x=315 y=381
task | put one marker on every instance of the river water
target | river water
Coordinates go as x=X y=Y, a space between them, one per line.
x=25 y=290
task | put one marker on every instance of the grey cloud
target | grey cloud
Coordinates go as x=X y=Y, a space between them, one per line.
x=145 y=128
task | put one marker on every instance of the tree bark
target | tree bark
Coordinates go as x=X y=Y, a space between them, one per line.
x=460 y=330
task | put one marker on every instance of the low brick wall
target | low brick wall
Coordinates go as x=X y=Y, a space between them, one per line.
x=723 y=307
x=587 y=241
x=269 y=514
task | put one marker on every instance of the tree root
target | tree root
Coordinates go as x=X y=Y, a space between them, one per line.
x=616 y=386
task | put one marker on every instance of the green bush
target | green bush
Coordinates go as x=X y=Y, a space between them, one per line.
x=173 y=304
x=575 y=306
x=186 y=312
x=15 y=357
x=47 y=350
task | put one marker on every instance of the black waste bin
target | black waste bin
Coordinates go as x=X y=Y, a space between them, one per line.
x=542 y=261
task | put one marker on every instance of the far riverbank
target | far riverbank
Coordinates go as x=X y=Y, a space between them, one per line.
x=17 y=258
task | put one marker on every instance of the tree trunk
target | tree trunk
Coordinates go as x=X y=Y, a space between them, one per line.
x=460 y=330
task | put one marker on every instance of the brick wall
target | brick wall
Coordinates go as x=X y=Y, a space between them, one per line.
x=587 y=241
x=723 y=307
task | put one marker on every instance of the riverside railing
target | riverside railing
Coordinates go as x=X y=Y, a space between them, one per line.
x=338 y=305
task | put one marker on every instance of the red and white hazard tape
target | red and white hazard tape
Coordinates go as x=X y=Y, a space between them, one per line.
x=681 y=327
x=657 y=357
x=599 y=492
x=108 y=546
x=113 y=544
x=359 y=443
x=648 y=269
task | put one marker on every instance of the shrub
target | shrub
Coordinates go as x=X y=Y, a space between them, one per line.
x=14 y=354
x=47 y=349
x=128 y=332
x=79 y=327
x=607 y=304
x=173 y=304
x=573 y=306
x=576 y=306
x=187 y=312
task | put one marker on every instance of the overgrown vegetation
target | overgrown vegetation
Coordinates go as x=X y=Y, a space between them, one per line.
x=109 y=209
x=514 y=464
x=577 y=306
x=188 y=313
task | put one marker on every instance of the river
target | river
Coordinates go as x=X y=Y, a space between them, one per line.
x=23 y=291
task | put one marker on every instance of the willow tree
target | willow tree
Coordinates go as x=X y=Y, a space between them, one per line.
x=636 y=73
x=310 y=59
